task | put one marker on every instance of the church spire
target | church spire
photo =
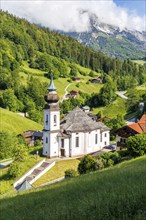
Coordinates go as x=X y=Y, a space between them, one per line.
x=51 y=86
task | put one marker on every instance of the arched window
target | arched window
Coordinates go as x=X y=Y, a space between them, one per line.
x=55 y=120
x=46 y=140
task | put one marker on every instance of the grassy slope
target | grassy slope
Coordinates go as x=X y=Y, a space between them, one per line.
x=57 y=171
x=117 y=107
x=61 y=83
x=115 y=193
x=12 y=122
x=6 y=183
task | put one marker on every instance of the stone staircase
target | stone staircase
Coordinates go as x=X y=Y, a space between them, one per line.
x=35 y=172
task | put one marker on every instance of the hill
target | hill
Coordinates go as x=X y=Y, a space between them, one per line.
x=114 y=193
x=13 y=122
x=30 y=53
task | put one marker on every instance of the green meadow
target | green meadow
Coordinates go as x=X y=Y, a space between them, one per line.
x=116 y=193
x=12 y=122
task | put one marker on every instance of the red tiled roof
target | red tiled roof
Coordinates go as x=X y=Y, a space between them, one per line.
x=140 y=126
x=143 y=119
x=142 y=123
x=136 y=128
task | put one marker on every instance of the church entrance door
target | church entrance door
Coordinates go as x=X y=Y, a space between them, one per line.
x=63 y=152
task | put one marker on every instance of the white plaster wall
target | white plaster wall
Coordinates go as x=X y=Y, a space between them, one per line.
x=50 y=125
x=46 y=148
x=77 y=150
x=54 y=145
x=105 y=140
x=66 y=147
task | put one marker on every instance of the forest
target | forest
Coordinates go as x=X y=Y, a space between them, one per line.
x=50 y=51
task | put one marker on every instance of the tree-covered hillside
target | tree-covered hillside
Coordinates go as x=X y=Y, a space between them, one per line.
x=42 y=49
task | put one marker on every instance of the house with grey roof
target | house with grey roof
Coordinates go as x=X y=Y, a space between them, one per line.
x=75 y=135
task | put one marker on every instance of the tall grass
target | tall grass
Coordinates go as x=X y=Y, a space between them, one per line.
x=117 y=193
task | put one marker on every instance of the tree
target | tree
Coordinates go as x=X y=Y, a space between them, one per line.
x=87 y=164
x=10 y=100
x=7 y=144
x=20 y=153
x=137 y=145
x=14 y=169
x=107 y=93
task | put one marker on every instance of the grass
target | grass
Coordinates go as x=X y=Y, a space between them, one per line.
x=117 y=107
x=62 y=83
x=6 y=183
x=12 y=122
x=116 y=193
x=142 y=62
x=57 y=171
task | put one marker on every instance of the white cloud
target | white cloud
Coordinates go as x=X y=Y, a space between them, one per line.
x=66 y=16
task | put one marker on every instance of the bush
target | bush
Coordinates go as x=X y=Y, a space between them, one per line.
x=87 y=164
x=37 y=142
x=70 y=173
x=20 y=153
x=14 y=169
x=100 y=164
x=77 y=85
x=137 y=145
x=115 y=157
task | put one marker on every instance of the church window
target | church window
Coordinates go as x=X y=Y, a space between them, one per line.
x=62 y=143
x=55 y=120
x=77 y=141
x=46 y=119
x=105 y=135
x=105 y=143
x=95 y=138
x=46 y=140
x=101 y=137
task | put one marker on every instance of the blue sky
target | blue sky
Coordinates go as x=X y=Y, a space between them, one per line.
x=138 y=5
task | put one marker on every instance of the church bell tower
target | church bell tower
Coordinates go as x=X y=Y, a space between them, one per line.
x=51 y=122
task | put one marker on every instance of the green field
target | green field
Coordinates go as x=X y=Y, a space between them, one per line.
x=57 y=171
x=61 y=83
x=12 y=122
x=117 y=193
x=117 y=107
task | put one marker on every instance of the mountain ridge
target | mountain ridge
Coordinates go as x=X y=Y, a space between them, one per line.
x=113 y=41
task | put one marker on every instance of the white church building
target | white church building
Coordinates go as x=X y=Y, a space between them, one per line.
x=77 y=134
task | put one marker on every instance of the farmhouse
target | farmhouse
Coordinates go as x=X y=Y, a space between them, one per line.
x=31 y=136
x=130 y=130
x=77 y=134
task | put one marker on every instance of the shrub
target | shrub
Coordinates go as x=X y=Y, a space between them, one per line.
x=37 y=142
x=87 y=164
x=91 y=73
x=109 y=163
x=100 y=164
x=115 y=157
x=14 y=169
x=137 y=145
x=20 y=153
x=70 y=173
x=77 y=85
